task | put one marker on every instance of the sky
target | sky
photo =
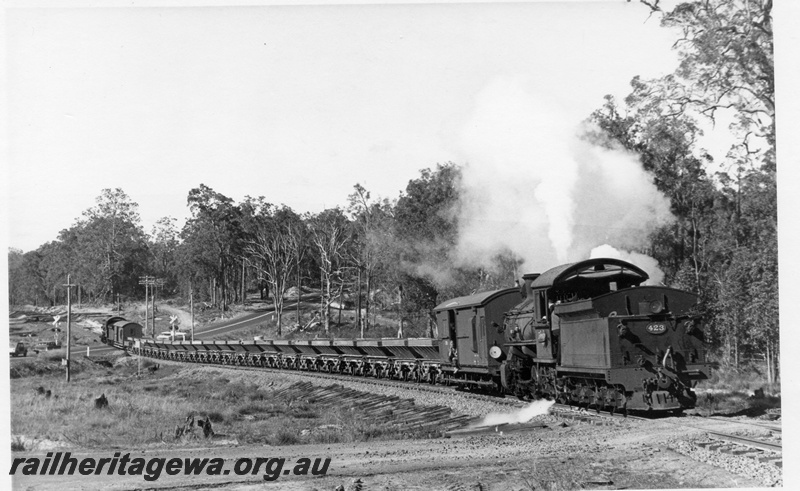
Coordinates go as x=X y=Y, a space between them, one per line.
x=293 y=103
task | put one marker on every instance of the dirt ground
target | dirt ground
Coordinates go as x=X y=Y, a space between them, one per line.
x=633 y=455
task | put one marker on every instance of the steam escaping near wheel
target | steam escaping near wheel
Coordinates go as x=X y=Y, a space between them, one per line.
x=536 y=408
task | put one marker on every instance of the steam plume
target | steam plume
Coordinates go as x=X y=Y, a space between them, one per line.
x=647 y=263
x=536 y=408
x=534 y=187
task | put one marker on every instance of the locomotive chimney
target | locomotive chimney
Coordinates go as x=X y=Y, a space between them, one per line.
x=528 y=278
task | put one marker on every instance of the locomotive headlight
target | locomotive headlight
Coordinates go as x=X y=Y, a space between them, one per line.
x=496 y=353
x=656 y=306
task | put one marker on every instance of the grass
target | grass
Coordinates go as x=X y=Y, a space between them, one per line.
x=730 y=391
x=144 y=410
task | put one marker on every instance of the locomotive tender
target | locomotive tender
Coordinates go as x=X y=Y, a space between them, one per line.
x=585 y=333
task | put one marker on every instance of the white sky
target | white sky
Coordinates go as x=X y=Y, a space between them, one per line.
x=295 y=103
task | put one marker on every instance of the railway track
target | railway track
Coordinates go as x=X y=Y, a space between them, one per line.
x=755 y=457
x=769 y=427
x=735 y=442
x=369 y=381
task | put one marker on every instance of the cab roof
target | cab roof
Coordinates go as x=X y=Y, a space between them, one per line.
x=606 y=268
x=474 y=300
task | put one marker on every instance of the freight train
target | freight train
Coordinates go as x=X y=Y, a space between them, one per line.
x=586 y=333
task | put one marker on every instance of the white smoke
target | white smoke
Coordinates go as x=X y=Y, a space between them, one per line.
x=536 y=408
x=533 y=187
x=647 y=263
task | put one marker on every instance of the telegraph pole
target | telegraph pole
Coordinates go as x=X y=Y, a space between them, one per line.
x=69 y=286
x=153 y=302
x=157 y=282
x=145 y=280
x=152 y=282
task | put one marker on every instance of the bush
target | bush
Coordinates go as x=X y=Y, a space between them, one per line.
x=17 y=445
x=284 y=437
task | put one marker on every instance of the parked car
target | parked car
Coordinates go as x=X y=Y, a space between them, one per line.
x=19 y=349
x=171 y=336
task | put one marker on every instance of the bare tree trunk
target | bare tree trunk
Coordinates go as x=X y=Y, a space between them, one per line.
x=341 y=291
x=359 y=324
x=214 y=292
x=369 y=290
x=277 y=305
x=322 y=301
x=299 y=291
x=768 y=361
x=223 y=290
x=432 y=325
x=776 y=361
x=244 y=287
x=400 y=302
x=327 y=312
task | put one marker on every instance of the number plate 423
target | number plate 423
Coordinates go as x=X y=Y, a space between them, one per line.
x=657 y=328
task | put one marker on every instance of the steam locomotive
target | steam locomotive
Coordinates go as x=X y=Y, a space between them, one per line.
x=586 y=333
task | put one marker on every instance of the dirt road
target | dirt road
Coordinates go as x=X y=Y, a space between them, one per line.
x=631 y=455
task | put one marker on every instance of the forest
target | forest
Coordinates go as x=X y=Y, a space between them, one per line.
x=722 y=243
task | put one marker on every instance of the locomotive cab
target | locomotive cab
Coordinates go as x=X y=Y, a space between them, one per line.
x=590 y=333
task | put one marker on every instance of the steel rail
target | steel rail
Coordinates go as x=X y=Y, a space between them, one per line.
x=751 y=423
x=749 y=442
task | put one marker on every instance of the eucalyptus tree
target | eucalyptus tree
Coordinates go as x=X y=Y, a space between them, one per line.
x=272 y=244
x=164 y=241
x=25 y=281
x=371 y=241
x=212 y=242
x=426 y=232
x=330 y=232
x=725 y=245
x=107 y=247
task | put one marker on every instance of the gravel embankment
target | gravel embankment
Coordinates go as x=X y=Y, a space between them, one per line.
x=769 y=474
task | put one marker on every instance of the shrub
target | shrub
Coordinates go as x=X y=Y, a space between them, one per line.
x=284 y=437
x=17 y=444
